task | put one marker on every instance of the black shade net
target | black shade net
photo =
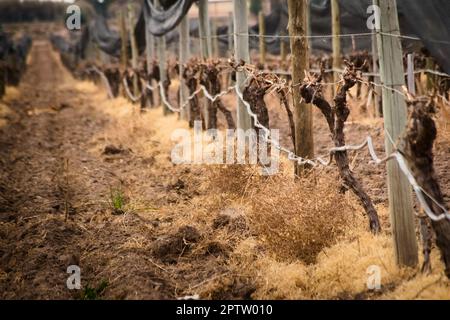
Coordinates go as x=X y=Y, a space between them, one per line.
x=426 y=20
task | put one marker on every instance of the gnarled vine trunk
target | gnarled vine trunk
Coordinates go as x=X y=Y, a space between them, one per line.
x=419 y=138
x=336 y=117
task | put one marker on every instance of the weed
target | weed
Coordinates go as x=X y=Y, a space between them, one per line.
x=117 y=201
x=94 y=293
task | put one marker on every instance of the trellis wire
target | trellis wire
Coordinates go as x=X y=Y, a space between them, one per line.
x=127 y=90
x=326 y=36
x=104 y=79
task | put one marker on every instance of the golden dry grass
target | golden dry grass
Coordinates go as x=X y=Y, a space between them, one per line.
x=443 y=121
x=298 y=219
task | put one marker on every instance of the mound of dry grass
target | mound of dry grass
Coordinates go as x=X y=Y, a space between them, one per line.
x=298 y=219
x=235 y=180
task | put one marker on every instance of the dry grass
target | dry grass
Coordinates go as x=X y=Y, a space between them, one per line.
x=234 y=180
x=443 y=121
x=298 y=219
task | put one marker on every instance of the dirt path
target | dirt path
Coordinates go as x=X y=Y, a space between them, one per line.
x=57 y=177
x=48 y=171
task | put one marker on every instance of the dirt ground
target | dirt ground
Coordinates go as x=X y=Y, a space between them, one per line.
x=184 y=230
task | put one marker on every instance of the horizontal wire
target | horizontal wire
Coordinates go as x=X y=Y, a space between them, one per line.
x=104 y=79
x=325 y=36
x=128 y=91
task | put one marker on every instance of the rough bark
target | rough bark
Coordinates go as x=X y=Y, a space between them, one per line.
x=189 y=74
x=113 y=76
x=304 y=142
x=426 y=237
x=284 y=101
x=419 y=138
x=209 y=77
x=254 y=94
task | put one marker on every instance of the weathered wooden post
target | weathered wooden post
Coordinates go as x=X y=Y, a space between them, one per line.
x=230 y=33
x=376 y=78
x=228 y=76
x=241 y=48
x=134 y=50
x=429 y=65
x=123 y=47
x=283 y=48
x=161 y=42
x=304 y=141
x=204 y=29
x=215 y=39
x=308 y=24
x=336 y=42
x=205 y=44
x=262 y=40
x=124 y=40
x=149 y=47
x=184 y=57
x=395 y=117
x=162 y=68
x=149 y=50
x=411 y=77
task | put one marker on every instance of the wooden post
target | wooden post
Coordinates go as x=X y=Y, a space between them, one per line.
x=283 y=49
x=134 y=50
x=184 y=57
x=375 y=70
x=241 y=48
x=124 y=40
x=230 y=34
x=161 y=42
x=262 y=40
x=395 y=117
x=162 y=67
x=149 y=48
x=215 y=39
x=353 y=43
x=429 y=65
x=336 y=30
x=228 y=76
x=308 y=24
x=204 y=29
x=149 y=51
x=304 y=141
x=205 y=44
x=411 y=77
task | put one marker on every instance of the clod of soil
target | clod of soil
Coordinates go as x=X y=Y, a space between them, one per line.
x=234 y=289
x=117 y=212
x=112 y=150
x=216 y=249
x=233 y=222
x=221 y=221
x=169 y=248
x=61 y=106
x=179 y=185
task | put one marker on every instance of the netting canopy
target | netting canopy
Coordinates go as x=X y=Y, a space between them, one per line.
x=425 y=20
